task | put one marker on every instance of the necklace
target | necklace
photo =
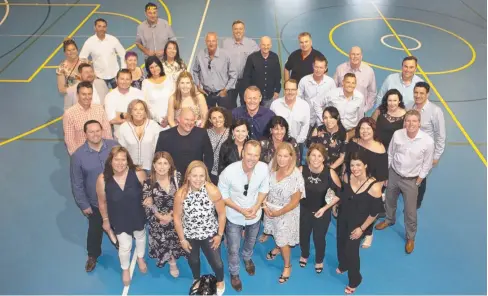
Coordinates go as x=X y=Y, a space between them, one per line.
x=314 y=180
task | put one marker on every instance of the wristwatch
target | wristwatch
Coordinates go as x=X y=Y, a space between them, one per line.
x=122 y=115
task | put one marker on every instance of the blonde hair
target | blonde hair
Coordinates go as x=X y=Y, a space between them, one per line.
x=193 y=165
x=131 y=106
x=178 y=97
x=289 y=148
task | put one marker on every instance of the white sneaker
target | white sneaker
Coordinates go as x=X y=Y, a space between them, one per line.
x=220 y=292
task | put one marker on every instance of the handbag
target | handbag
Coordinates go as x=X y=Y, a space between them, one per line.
x=207 y=285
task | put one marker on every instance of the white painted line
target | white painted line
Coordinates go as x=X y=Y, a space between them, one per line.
x=195 y=45
x=419 y=45
x=7 y=10
x=125 y=292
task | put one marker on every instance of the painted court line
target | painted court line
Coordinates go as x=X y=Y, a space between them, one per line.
x=195 y=45
x=132 y=267
x=7 y=10
x=432 y=86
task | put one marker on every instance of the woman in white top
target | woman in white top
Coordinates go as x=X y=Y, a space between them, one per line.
x=186 y=96
x=172 y=63
x=139 y=134
x=157 y=89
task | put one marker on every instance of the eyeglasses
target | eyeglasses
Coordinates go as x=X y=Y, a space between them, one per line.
x=246 y=187
x=210 y=64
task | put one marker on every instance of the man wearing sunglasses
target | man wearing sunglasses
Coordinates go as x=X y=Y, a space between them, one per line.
x=244 y=185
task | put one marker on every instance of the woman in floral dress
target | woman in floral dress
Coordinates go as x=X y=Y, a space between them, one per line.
x=161 y=186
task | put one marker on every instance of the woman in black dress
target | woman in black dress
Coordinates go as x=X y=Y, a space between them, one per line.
x=231 y=150
x=316 y=208
x=160 y=188
x=391 y=116
x=119 y=190
x=367 y=142
x=278 y=129
x=360 y=203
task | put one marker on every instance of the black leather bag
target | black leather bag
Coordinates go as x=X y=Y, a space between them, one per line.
x=207 y=285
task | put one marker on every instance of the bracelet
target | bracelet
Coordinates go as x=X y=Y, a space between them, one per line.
x=106 y=218
x=361 y=229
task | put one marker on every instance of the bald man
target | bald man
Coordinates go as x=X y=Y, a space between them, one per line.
x=366 y=81
x=186 y=143
x=263 y=70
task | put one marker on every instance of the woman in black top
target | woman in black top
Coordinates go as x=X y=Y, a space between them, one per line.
x=333 y=135
x=360 y=203
x=391 y=116
x=278 y=129
x=315 y=209
x=367 y=142
x=231 y=150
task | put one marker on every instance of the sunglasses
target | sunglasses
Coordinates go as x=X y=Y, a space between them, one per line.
x=246 y=187
x=210 y=64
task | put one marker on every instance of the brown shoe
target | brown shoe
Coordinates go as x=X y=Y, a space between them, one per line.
x=250 y=267
x=382 y=225
x=91 y=263
x=409 y=246
x=236 y=282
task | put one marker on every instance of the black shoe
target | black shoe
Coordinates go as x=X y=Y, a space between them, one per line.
x=91 y=263
x=236 y=282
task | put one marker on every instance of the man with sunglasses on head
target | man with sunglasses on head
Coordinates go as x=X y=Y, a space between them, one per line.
x=244 y=185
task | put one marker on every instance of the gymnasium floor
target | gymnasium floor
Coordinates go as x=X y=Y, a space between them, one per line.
x=44 y=234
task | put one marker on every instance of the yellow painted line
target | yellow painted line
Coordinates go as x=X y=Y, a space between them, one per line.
x=14 y=80
x=31 y=131
x=432 y=86
x=7 y=11
x=51 y=67
x=170 y=21
x=471 y=48
x=61 y=45
x=46 y=4
x=119 y=14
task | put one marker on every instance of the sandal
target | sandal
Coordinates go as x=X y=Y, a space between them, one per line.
x=271 y=255
x=338 y=271
x=302 y=262
x=368 y=240
x=173 y=270
x=142 y=265
x=284 y=279
x=349 y=290
x=319 y=269
x=263 y=238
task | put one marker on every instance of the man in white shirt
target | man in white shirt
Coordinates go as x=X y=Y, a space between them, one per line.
x=348 y=101
x=244 y=185
x=410 y=158
x=432 y=123
x=103 y=49
x=313 y=88
x=100 y=89
x=117 y=101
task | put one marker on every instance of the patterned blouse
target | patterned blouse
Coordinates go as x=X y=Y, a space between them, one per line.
x=173 y=69
x=268 y=149
x=199 y=215
x=71 y=75
x=217 y=141
x=138 y=83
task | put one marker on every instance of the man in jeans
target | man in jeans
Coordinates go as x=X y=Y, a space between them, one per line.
x=87 y=163
x=244 y=185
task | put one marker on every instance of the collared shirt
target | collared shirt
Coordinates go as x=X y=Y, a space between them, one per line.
x=115 y=102
x=432 y=122
x=365 y=81
x=299 y=66
x=298 y=117
x=100 y=90
x=265 y=73
x=73 y=121
x=239 y=51
x=351 y=111
x=154 y=37
x=411 y=157
x=395 y=81
x=141 y=150
x=231 y=184
x=104 y=55
x=86 y=165
x=221 y=75
x=310 y=91
x=259 y=122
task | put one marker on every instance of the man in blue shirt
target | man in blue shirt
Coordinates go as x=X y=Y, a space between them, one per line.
x=244 y=185
x=87 y=163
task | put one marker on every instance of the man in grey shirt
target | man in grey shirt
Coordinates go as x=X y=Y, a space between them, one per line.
x=239 y=47
x=214 y=74
x=153 y=33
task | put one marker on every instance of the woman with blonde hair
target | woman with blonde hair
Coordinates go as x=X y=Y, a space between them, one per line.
x=282 y=218
x=199 y=219
x=139 y=134
x=186 y=96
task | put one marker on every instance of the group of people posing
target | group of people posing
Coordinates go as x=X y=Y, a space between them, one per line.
x=169 y=151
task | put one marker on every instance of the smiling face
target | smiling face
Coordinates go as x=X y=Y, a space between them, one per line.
x=238 y=31
x=138 y=112
x=329 y=121
x=283 y=158
x=366 y=132
x=250 y=156
x=240 y=133
x=185 y=85
x=355 y=56
x=278 y=133
x=412 y=123
x=315 y=159
x=349 y=84
x=162 y=166
x=101 y=29
x=408 y=69
x=211 y=42
x=131 y=62
x=171 y=51
x=186 y=120
x=420 y=95
x=152 y=14
x=124 y=80
x=305 y=43
x=119 y=162
x=319 y=68
x=197 y=177
x=94 y=133
x=217 y=119
x=85 y=95
x=358 y=168
x=71 y=52
x=393 y=102
x=155 y=70
x=252 y=99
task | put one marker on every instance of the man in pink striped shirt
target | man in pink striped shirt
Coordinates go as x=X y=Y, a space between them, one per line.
x=75 y=117
x=365 y=79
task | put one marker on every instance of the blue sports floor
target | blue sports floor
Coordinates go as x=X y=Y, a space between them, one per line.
x=44 y=234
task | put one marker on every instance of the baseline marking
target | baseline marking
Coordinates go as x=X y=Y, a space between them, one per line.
x=195 y=45
x=459 y=125
x=7 y=10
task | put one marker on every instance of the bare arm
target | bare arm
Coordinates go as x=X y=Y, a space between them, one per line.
x=61 y=81
x=171 y=112
x=178 y=213
x=202 y=103
x=295 y=200
x=216 y=198
x=102 y=200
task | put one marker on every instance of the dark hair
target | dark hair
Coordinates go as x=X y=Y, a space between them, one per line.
x=124 y=71
x=281 y=121
x=68 y=42
x=225 y=113
x=85 y=84
x=236 y=124
x=352 y=75
x=291 y=80
x=108 y=172
x=177 y=57
x=422 y=84
x=320 y=58
x=410 y=58
x=151 y=60
x=157 y=156
x=92 y=121
x=334 y=113
x=357 y=155
x=100 y=20
x=237 y=22
x=150 y=5
x=84 y=65
x=320 y=148
x=372 y=123
x=130 y=54
x=384 y=102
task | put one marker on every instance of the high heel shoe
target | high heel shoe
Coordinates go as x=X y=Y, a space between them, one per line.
x=284 y=279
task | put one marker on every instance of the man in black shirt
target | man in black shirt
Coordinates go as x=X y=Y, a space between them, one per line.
x=300 y=62
x=186 y=143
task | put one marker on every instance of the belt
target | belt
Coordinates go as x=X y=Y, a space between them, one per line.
x=407 y=178
x=212 y=93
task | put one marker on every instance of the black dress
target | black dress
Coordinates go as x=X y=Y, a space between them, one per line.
x=354 y=210
x=125 y=209
x=386 y=125
x=335 y=143
x=377 y=162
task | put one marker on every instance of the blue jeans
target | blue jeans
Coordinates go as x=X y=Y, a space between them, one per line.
x=233 y=233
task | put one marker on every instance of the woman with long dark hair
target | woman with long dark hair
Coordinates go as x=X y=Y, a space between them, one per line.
x=391 y=116
x=231 y=150
x=172 y=63
x=217 y=125
x=278 y=133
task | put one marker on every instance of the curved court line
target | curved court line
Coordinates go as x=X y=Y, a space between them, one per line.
x=31 y=131
x=168 y=13
x=419 y=45
x=7 y=11
x=120 y=14
x=195 y=45
x=473 y=52
x=459 y=125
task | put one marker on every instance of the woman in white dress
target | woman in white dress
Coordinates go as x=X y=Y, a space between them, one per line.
x=157 y=89
x=282 y=218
